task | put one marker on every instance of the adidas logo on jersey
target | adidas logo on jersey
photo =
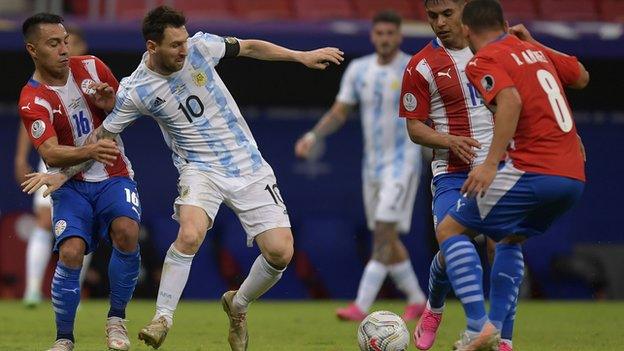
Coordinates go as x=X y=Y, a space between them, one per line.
x=158 y=102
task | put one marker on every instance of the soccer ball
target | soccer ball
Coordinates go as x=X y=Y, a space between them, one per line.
x=383 y=331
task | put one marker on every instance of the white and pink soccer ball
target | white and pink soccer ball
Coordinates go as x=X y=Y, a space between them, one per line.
x=383 y=331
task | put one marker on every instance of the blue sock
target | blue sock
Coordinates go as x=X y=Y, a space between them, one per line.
x=508 y=324
x=439 y=284
x=464 y=270
x=506 y=277
x=65 y=299
x=123 y=271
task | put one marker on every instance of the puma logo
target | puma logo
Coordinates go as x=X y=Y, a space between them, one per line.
x=513 y=280
x=473 y=63
x=445 y=74
x=75 y=290
x=57 y=111
x=27 y=107
x=409 y=70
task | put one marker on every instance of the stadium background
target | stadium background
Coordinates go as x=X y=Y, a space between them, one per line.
x=580 y=257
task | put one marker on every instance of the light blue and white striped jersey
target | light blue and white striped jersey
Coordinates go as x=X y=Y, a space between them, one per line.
x=199 y=119
x=388 y=151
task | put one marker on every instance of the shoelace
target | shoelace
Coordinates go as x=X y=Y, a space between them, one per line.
x=116 y=328
x=239 y=319
x=64 y=343
x=431 y=322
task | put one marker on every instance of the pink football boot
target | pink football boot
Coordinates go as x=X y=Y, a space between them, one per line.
x=504 y=346
x=425 y=333
x=350 y=313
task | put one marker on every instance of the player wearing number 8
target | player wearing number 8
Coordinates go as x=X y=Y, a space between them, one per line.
x=544 y=173
x=100 y=202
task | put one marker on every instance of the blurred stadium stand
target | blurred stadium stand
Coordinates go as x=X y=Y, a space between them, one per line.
x=566 y=10
x=281 y=101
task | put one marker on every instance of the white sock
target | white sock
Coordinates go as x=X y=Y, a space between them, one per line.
x=435 y=310
x=405 y=279
x=262 y=276
x=373 y=277
x=38 y=254
x=86 y=261
x=173 y=279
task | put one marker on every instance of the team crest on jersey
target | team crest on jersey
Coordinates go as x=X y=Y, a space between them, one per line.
x=59 y=227
x=37 y=129
x=395 y=85
x=409 y=102
x=85 y=86
x=487 y=83
x=199 y=78
x=184 y=191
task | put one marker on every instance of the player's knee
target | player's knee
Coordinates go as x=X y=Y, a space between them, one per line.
x=71 y=252
x=125 y=234
x=281 y=254
x=189 y=239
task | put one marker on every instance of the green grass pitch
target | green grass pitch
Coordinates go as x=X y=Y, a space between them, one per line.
x=299 y=326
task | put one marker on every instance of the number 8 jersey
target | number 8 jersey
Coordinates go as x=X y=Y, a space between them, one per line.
x=67 y=113
x=545 y=141
x=199 y=119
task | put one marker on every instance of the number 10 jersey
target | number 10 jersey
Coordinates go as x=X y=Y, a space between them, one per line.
x=198 y=116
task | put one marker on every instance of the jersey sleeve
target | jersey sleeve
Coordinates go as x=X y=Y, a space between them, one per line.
x=36 y=115
x=212 y=45
x=415 y=96
x=124 y=113
x=348 y=90
x=488 y=76
x=568 y=68
x=105 y=74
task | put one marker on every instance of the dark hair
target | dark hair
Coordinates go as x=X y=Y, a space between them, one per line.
x=482 y=15
x=158 y=19
x=387 y=16
x=30 y=24
x=436 y=1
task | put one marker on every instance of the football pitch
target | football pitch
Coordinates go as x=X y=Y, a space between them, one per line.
x=294 y=326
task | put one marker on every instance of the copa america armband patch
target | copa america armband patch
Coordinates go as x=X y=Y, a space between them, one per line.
x=37 y=129
x=232 y=47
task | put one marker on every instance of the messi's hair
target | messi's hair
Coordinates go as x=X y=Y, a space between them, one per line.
x=158 y=19
x=483 y=15
x=387 y=16
x=437 y=1
x=31 y=23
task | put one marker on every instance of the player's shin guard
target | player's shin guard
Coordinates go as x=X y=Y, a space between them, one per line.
x=506 y=277
x=465 y=273
x=65 y=299
x=439 y=284
x=262 y=276
x=123 y=271
x=174 y=276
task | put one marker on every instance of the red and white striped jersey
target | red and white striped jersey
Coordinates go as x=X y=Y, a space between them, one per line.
x=67 y=113
x=435 y=88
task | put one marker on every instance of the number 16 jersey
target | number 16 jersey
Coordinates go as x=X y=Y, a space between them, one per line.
x=198 y=116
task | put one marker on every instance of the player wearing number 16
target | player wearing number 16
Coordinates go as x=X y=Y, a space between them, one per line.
x=217 y=157
x=59 y=109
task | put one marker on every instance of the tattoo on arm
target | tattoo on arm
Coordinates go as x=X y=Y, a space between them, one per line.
x=99 y=133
